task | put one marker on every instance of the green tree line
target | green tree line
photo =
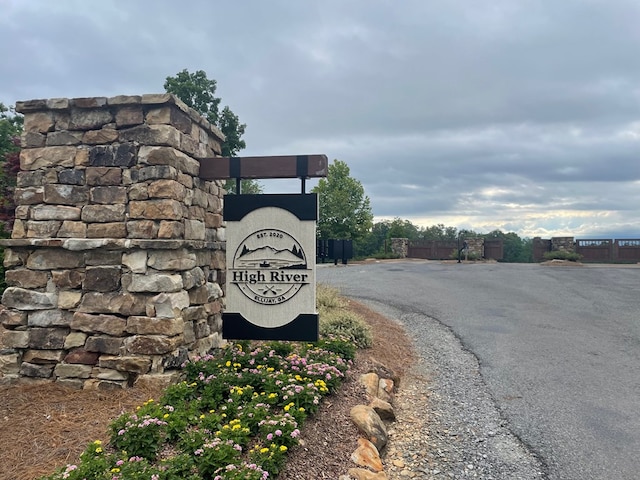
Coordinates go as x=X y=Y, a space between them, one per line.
x=376 y=242
x=345 y=213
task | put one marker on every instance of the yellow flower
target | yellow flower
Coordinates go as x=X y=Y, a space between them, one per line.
x=228 y=364
x=264 y=450
x=99 y=450
x=212 y=411
x=202 y=416
x=283 y=448
x=166 y=415
x=115 y=470
x=97 y=442
x=270 y=369
x=301 y=409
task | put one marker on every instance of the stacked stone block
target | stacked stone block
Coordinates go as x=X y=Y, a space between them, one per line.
x=563 y=244
x=475 y=247
x=400 y=247
x=116 y=261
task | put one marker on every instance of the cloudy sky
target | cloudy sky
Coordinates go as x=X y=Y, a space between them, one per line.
x=522 y=115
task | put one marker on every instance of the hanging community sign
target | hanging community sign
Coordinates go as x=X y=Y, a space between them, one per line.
x=271 y=249
x=271 y=284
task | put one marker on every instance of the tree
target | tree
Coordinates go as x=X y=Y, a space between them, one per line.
x=198 y=92
x=345 y=210
x=399 y=228
x=375 y=242
x=515 y=249
x=440 y=232
x=10 y=130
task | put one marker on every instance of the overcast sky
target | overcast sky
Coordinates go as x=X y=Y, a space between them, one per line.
x=522 y=115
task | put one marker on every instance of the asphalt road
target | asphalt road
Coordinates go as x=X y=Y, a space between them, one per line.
x=558 y=347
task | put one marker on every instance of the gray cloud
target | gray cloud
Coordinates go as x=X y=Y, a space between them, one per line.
x=491 y=114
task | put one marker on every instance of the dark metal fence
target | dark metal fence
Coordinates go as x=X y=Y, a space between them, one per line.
x=334 y=250
x=599 y=250
x=432 y=249
x=540 y=247
x=445 y=250
x=606 y=250
x=494 y=249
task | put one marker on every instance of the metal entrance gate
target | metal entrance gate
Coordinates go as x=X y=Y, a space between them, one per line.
x=432 y=249
x=493 y=249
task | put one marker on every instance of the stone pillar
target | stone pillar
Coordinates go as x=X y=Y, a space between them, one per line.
x=116 y=264
x=563 y=244
x=400 y=247
x=475 y=247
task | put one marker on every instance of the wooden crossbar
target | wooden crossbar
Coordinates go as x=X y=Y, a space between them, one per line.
x=279 y=166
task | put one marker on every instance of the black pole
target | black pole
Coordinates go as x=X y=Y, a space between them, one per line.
x=238 y=183
x=458 y=247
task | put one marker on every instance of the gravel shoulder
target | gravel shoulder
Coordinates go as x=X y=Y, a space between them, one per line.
x=448 y=425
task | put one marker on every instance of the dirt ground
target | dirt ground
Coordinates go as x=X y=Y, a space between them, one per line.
x=44 y=426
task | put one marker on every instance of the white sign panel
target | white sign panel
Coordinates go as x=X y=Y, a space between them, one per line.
x=270 y=264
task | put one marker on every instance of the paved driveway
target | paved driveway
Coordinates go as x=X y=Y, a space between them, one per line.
x=559 y=348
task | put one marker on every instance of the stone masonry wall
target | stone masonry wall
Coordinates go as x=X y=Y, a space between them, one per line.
x=400 y=247
x=563 y=244
x=475 y=247
x=116 y=261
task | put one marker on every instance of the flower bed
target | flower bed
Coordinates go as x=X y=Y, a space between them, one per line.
x=235 y=416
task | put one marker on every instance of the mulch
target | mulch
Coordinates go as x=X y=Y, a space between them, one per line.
x=44 y=426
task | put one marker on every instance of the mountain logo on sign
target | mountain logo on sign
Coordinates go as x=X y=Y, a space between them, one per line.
x=269 y=267
x=270 y=257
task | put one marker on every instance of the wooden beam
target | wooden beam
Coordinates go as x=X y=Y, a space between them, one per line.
x=280 y=166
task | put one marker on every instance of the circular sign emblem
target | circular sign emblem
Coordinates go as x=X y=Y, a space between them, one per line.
x=269 y=267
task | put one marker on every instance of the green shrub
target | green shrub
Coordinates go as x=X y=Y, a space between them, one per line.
x=343 y=323
x=328 y=298
x=337 y=322
x=562 y=255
